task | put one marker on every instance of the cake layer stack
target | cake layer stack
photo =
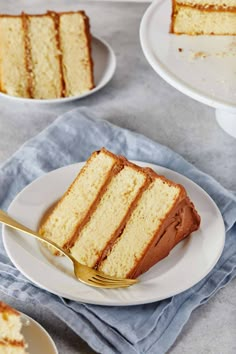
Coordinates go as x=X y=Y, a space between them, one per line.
x=120 y=218
x=45 y=56
x=207 y=17
x=11 y=339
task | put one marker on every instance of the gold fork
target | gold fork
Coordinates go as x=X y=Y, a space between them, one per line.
x=85 y=274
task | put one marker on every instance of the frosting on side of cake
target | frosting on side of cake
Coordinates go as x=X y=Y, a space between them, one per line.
x=181 y=222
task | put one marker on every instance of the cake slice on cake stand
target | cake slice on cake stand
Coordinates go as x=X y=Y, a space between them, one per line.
x=202 y=66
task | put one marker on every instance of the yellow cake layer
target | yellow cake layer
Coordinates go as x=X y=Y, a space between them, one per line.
x=140 y=229
x=13 y=73
x=109 y=217
x=46 y=75
x=11 y=339
x=62 y=224
x=192 y=21
x=11 y=349
x=76 y=54
x=10 y=326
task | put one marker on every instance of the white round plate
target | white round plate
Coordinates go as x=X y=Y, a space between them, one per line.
x=104 y=62
x=186 y=265
x=37 y=337
x=179 y=59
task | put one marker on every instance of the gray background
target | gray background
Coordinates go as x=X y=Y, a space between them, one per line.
x=137 y=99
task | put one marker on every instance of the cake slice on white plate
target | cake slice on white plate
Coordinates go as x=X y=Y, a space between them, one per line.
x=45 y=56
x=120 y=218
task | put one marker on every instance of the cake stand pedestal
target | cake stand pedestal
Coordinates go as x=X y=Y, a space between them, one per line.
x=202 y=67
x=227 y=121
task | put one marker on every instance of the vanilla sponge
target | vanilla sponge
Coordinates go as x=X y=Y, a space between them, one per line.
x=46 y=56
x=203 y=17
x=11 y=338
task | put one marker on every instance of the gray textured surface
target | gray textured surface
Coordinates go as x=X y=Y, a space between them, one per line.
x=140 y=100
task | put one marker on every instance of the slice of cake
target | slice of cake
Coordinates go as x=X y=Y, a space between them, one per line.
x=45 y=56
x=120 y=218
x=11 y=339
x=208 y=17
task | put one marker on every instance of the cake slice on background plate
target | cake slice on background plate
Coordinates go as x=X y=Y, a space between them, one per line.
x=207 y=17
x=11 y=339
x=46 y=56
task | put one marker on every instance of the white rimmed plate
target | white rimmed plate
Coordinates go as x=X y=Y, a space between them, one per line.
x=202 y=67
x=37 y=338
x=104 y=61
x=187 y=264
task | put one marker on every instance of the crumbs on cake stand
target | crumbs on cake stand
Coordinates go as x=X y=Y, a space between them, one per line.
x=198 y=55
x=230 y=51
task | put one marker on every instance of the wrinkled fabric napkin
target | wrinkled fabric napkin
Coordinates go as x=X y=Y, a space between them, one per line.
x=150 y=328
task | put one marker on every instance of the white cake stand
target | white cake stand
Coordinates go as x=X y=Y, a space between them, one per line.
x=202 y=67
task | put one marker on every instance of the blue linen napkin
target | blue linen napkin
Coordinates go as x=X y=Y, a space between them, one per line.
x=150 y=328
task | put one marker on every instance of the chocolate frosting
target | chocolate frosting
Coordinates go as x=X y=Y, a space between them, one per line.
x=182 y=220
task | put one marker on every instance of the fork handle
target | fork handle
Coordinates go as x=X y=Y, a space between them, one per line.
x=9 y=221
